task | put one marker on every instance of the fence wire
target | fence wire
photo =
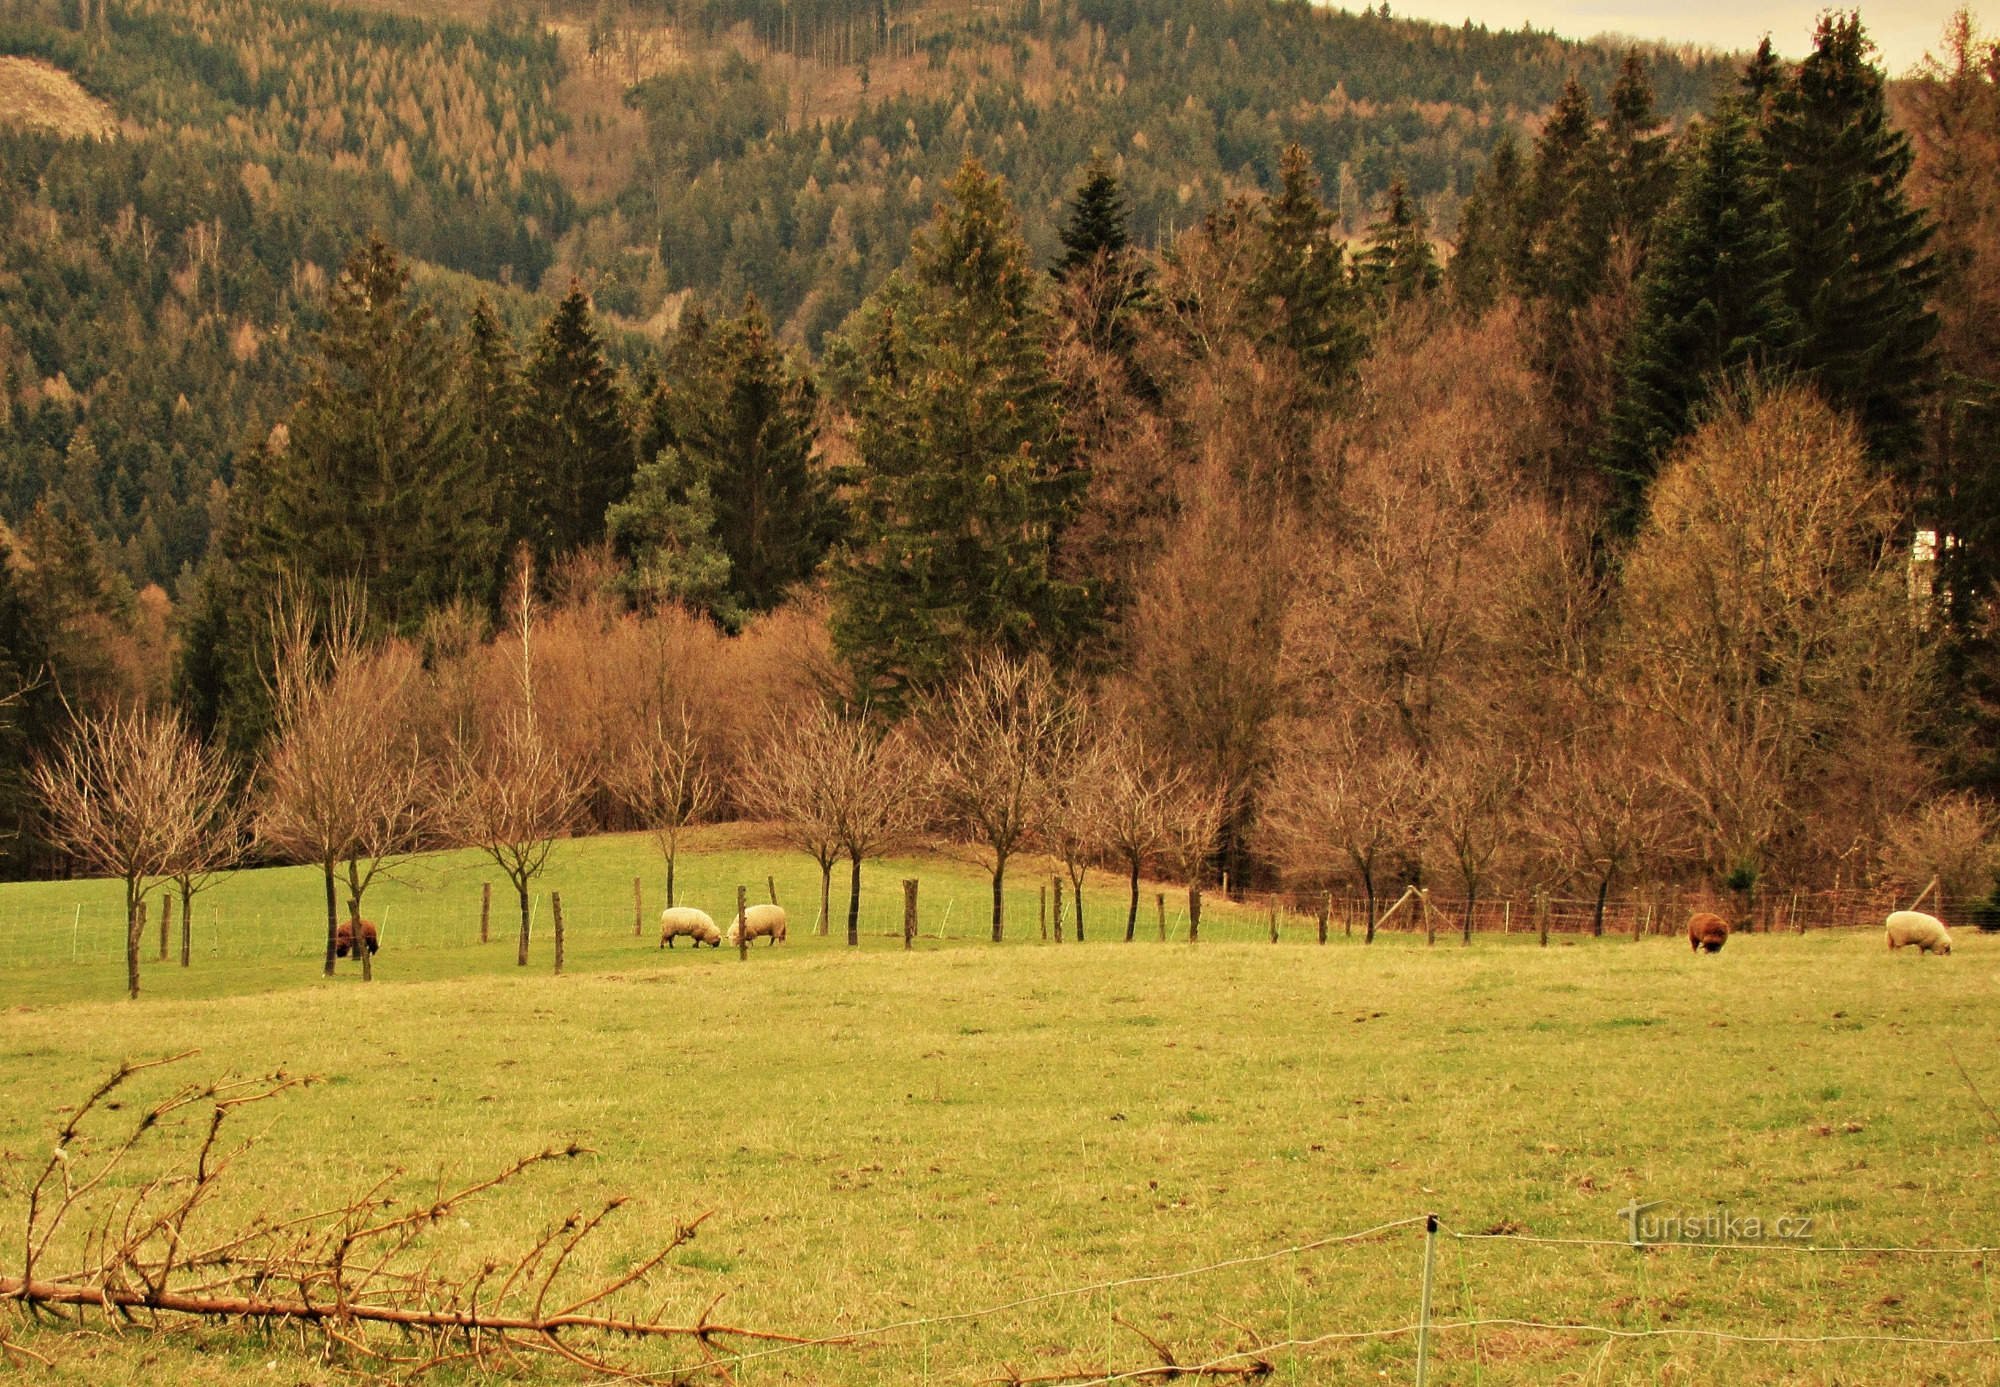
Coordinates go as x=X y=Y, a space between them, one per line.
x=1270 y=1349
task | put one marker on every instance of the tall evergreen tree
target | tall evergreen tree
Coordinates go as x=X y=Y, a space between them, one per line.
x=1488 y=225
x=1859 y=267
x=578 y=457
x=967 y=475
x=666 y=530
x=377 y=480
x=1711 y=303
x=774 y=510
x=1097 y=221
x=1302 y=282
x=1638 y=175
x=29 y=706
x=1106 y=279
x=1399 y=263
x=1564 y=226
x=496 y=417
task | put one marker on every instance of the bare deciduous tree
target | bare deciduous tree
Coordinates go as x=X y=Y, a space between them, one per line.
x=1133 y=808
x=343 y=781
x=1342 y=795
x=1193 y=823
x=790 y=779
x=873 y=809
x=1476 y=787
x=132 y=794
x=1948 y=839
x=512 y=796
x=1598 y=811
x=992 y=743
x=1076 y=825
x=215 y=845
x=664 y=779
x=1765 y=622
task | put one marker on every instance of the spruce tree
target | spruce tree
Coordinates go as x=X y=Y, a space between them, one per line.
x=1308 y=302
x=1638 y=175
x=1488 y=230
x=496 y=417
x=1107 y=280
x=578 y=457
x=1399 y=263
x=1711 y=303
x=377 y=481
x=754 y=442
x=1860 y=271
x=1096 y=224
x=966 y=474
x=1563 y=231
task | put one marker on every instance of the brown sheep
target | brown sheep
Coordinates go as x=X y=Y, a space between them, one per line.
x=1707 y=931
x=343 y=938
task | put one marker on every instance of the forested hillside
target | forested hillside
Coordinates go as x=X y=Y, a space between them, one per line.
x=156 y=284
x=1396 y=454
x=152 y=284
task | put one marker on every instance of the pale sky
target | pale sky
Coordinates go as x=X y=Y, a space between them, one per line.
x=1902 y=29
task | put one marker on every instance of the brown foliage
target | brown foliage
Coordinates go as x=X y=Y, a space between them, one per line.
x=343 y=779
x=1767 y=637
x=990 y=745
x=133 y=794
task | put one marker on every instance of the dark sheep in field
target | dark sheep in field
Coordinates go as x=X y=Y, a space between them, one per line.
x=1707 y=931
x=343 y=938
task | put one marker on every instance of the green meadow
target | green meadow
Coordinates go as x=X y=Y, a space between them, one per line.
x=890 y=1138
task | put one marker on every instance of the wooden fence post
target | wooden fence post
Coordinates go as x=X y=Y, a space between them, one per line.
x=1045 y=914
x=1274 y=924
x=638 y=908
x=742 y=924
x=485 y=908
x=1057 y=881
x=555 y=912
x=909 y=914
x=1542 y=916
x=1160 y=903
x=1325 y=909
x=1194 y=913
x=771 y=885
x=1430 y=916
x=166 y=923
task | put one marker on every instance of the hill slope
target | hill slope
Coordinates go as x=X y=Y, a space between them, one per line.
x=155 y=291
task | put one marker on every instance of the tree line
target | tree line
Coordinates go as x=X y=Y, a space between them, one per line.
x=1370 y=555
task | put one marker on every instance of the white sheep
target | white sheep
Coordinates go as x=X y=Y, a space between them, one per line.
x=764 y=920
x=685 y=922
x=1927 y=932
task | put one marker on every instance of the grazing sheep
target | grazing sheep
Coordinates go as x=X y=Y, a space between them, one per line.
x=1707 y=931
x=685 y=922
x=1927 y=932
x=764 y=920
x=343 y=938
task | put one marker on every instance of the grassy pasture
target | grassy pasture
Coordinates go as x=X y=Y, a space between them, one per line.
x=885 y=1136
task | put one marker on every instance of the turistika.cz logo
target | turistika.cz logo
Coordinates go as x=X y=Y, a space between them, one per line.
x=1718 y=1226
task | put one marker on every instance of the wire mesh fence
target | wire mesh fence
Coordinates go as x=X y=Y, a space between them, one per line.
x=91 y=929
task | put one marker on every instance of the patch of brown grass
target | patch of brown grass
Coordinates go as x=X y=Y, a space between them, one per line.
x=40 y=96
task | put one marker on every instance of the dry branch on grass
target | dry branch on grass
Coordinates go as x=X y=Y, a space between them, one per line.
x=1256 y=1365
x=360 y=1274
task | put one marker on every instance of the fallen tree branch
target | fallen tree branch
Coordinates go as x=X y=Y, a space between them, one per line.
x=1169 y=1368
x=359 y=1274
